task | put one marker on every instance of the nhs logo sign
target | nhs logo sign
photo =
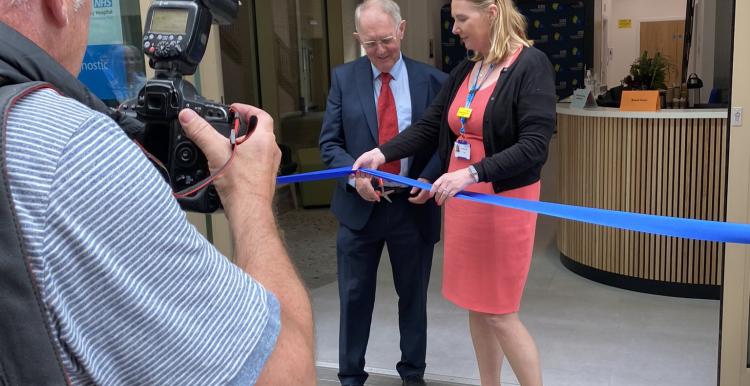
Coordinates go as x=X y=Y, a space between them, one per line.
x=106 y=22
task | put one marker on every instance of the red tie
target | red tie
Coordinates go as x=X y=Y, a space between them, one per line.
x=387 y=120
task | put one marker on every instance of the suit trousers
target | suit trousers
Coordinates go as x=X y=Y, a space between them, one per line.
x=358 y=254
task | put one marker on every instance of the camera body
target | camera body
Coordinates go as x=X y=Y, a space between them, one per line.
x=175 y=39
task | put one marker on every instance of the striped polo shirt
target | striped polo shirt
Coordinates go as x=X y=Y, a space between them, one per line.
x=134 y=294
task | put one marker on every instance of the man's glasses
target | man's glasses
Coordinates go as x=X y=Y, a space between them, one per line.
x=386 y=41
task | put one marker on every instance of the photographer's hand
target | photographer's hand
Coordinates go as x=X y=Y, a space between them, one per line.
x=246 y=189
x=252 y=174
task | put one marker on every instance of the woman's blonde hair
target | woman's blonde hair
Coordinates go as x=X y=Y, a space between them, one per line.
x=508 y=30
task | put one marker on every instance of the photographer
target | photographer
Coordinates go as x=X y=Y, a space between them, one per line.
x=129 y=292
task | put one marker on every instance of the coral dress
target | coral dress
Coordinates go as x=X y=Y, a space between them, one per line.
x=487 y=248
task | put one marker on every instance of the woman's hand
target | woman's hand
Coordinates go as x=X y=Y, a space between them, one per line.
x=370 y=160
x=449 y=184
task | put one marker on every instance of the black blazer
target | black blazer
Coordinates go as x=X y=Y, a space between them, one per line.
x=350 y=128
x=518 y=123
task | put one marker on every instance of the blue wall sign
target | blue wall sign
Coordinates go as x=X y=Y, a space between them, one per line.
x=103 y=71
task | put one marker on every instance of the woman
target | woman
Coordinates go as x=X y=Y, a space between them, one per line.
x=491 y=124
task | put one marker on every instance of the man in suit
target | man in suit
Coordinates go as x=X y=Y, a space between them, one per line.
x=372 y=99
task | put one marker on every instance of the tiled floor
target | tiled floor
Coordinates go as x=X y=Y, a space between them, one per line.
x=587 y=333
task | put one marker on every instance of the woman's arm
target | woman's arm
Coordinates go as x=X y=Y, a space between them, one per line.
x=535 y=109
x=425 y=133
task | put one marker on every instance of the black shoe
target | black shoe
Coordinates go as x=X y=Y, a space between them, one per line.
x=414 y=380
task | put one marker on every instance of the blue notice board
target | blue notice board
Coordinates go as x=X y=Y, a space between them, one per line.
x=103 y=72
x=564 y=30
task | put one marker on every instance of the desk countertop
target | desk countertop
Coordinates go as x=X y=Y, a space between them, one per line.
x=609 y=112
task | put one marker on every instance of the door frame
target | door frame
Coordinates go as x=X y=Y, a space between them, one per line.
x=734 y=359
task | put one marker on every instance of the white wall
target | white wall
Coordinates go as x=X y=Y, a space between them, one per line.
x=625 y=43
x=422 y=23
x=702 y=50
x=599 y=69
x=351 y=47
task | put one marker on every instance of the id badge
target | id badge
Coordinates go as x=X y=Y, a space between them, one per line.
x=463 y=149
x=464 y=112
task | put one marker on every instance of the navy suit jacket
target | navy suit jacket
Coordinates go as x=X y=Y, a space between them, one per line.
x=350 y=128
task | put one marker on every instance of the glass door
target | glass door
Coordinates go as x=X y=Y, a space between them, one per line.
x=113 y=66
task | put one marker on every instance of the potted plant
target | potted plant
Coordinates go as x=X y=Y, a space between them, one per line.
x=647 y=73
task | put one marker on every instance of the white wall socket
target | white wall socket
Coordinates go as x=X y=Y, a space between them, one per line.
x=736 y=116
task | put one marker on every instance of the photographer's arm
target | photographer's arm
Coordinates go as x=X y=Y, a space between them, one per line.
x=247 y=190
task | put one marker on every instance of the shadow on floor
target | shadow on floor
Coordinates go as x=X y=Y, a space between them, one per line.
x=327 y=377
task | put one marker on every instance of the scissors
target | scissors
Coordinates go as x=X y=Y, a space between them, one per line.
x=382 y=192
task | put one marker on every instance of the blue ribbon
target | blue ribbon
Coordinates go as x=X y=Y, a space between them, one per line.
x=660 y=225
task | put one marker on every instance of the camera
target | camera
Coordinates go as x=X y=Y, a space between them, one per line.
x=175 y=38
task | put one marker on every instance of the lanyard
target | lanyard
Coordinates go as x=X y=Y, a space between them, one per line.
x=473 y=92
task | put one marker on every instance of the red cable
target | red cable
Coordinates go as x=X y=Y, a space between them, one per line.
x=195 y=188
x=234 y=141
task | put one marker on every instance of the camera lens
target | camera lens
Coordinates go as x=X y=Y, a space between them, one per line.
x=186 y=154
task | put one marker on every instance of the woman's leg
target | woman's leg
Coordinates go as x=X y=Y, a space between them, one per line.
x=487 y=348
x=518 y=346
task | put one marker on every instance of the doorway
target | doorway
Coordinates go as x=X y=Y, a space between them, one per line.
x=666 y=37
x=275 y=55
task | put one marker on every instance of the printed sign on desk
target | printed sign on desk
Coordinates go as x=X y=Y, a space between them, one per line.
x=582 y=98
x=640 y=101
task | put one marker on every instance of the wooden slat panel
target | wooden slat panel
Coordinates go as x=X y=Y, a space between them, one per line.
x=672 y=167
x=681 y=197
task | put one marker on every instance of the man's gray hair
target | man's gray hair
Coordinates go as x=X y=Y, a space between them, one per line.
x=388 y=6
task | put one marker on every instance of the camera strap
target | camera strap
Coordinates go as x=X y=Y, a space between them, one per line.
x=28 y=356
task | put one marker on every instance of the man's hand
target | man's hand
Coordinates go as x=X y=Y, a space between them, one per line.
x=252 y=174
x=365 y=189
x=449 y=184
x=421 y=195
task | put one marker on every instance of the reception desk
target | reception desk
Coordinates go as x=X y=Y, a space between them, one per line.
x=671 y=163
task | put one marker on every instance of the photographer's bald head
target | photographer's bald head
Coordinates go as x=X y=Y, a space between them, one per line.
x=59 y=27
